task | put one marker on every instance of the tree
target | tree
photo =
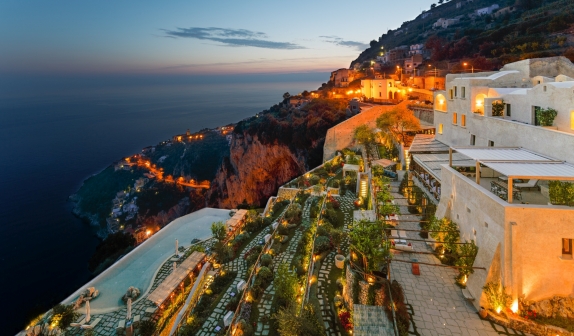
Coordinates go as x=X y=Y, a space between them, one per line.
x=373 y=43
x=147 y=328
x=292 y=325
x=569 y=54
x=286 y=95
x=440 y=1
x=337 y=237
x=364 y=135
x=397 y=122
x=218 y=231
x=432 y=6
x=366 y=239
x=305 y=93
x=285 y=282
x=63 y=315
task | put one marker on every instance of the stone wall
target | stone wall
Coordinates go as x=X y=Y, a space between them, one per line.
x=558 y=306
x=528 y=326
x=364 y=291
x=341 y=135
x=348 y=288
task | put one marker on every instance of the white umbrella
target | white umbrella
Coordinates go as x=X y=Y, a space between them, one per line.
x=129 y=314
x=174 y=266
x=87 y=312
x=176 y=252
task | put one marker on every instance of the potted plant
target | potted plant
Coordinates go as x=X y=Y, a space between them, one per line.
x=498 y=109
x=546 y=116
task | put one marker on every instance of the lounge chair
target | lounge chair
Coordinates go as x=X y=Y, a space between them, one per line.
x=79 y=322
x=121 y=328
x=403 y=234
x=136 y=321
x=528 y=185
x=394 y=234
x=91 y=325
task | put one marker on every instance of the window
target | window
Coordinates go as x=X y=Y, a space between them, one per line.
x=508 y=110
x=472 y=139
x=567 y=248
x=380 y=94
x=463 y=120
x=490 y=143
x=455 y=91
x=462 y=92
x=450 y=94
x=454 y=118
x=439 y=128
x=544 y=88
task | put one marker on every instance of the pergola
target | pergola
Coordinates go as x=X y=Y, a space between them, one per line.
x=516 y=163
x=385 y=163
x=350 y=167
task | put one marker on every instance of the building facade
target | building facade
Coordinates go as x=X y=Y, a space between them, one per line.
x=496 y=180
x=380 y=88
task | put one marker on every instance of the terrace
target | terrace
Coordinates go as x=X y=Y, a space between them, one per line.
x=516 y=175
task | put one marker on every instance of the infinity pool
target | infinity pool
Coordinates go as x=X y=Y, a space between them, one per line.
x=138 y=268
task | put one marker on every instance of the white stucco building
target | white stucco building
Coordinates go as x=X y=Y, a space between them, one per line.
x=494 y=179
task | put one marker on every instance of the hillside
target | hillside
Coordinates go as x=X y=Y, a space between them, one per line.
x=516 y=30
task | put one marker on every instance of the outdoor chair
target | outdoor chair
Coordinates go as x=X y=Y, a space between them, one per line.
x=394 y=234
x=528 y=185
x=121 y=328
x=91 y=325
x=136 y=321
x=403 y=234
x=80 y=321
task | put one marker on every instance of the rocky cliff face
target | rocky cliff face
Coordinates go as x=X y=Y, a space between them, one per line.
x=253 y=172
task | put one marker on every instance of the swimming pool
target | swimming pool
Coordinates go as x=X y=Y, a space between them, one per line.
x=138 y=268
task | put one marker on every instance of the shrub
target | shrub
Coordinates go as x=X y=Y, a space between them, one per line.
x=546 y=116
x=322 y=231
x=322 y=244
x=265 y=274
x=147 y=328
x=496 y=295
x=266 y=260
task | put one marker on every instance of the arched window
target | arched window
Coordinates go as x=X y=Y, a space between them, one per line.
x=440 y=103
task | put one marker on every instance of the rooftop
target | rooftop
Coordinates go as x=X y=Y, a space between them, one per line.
x=426 y=143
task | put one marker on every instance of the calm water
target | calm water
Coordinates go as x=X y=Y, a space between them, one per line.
x=56 y=132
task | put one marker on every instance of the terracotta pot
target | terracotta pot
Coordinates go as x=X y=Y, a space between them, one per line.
x=483 y=312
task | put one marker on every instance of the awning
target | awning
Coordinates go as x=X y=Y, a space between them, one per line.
x=501 y=154
x=162 y=292
x=432 y=163
x=542 y=171
x=383 y=162
x=426 y=143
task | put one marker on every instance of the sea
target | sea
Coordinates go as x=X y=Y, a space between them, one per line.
x=55 y=131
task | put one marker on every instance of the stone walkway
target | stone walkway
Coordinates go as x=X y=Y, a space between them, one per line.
x=266 y=301
x=237 y=265
x=434 y=301
x=327 y=265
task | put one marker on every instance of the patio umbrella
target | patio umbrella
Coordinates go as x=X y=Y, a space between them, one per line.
x=87 y=311
x=129 y=314
x=176 y=243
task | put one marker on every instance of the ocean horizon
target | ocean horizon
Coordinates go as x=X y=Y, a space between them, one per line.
x=56 y=132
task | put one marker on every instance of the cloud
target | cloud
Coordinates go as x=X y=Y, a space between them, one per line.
x=231 y=37
x=339 y=41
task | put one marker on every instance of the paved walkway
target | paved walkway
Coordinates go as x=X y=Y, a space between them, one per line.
x=434 y=301
x=327 y=265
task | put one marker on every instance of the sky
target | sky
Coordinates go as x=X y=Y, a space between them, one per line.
x=191 y=37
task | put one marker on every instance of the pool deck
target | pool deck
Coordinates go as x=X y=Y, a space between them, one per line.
x=143 y=267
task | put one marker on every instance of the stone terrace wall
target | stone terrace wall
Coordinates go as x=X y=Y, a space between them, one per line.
x=341 y=135
x=287 y=193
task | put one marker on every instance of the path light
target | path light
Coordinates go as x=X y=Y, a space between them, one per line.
x=514 y=307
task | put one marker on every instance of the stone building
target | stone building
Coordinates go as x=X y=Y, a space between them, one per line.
x=380 y=89
x=494 y=181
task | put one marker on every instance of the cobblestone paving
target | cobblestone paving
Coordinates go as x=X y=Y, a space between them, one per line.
x=434 y=301
x=266 y=301
x=331 y=327
x=238 y=265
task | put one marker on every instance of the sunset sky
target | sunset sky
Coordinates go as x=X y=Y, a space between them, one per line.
x=191 y=37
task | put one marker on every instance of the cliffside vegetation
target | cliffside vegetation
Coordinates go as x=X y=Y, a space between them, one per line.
x=301 y=129
x=525 y=29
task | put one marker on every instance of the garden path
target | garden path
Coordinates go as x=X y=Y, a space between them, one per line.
x=435 y=303
x=329 y=319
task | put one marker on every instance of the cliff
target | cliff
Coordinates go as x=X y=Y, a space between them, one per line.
x=253 y=172
x=272 y=148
